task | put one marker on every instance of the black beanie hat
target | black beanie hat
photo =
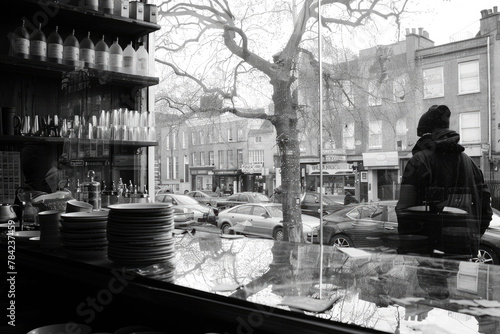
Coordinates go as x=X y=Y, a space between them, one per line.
x=437 y=117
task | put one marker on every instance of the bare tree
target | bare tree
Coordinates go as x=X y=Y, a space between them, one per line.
x=229 y=39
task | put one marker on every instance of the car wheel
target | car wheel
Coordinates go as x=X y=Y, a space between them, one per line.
x=341 y=240
x=278 y=234
x=486 y=255
x=225 y=228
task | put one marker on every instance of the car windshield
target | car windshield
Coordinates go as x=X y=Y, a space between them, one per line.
x=275 y=211
x=211 y=193
x=261 y=198
x=185 y=200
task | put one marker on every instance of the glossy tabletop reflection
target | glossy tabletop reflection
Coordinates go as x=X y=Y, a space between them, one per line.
x=386 y=292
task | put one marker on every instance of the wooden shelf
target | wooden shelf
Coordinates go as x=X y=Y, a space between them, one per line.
x=32 y=139
x=77 y=17
x=49 y=69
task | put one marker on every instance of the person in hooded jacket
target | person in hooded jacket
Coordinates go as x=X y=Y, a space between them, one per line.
x=444 y=205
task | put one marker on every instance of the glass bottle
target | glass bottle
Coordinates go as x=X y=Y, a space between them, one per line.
x=21 y=42
x=87 y=52
x=106 y=6
x=30 y=215
x=129 y=59
x=78 y=191
x=116 y=57
x=55 y=47
x=38 y=45
x=114 y=199
x=91 y=4
x=71 y=50
x=102 y=55
x=92 y=190
x=142 y=60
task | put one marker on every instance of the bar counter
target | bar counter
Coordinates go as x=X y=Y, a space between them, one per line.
x=239 y=285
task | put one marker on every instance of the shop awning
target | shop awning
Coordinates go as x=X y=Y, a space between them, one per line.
x=381 y=160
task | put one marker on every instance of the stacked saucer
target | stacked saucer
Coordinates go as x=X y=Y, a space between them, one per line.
x=84 y=233
x=140 y=233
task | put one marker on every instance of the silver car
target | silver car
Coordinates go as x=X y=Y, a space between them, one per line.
x=260 y=219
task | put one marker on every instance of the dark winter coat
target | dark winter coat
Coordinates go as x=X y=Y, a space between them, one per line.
x=440 y=174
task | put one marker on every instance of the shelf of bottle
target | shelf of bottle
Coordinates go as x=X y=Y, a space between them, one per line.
x=34 y=139
x=80 y=17
x=50 y=69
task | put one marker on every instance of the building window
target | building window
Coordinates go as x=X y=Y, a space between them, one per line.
x=374 y=98
x=470 y=127
x=239 y=158
x=230 y=159
x=348 y=136
x=347 y=95
x=398 y=89
x=167 y=142
x=185 y=176
x=433 y=82
x=174 y=142
x=258 y=139
x=240 y=135
x=211 y=159
x=468 y=77
x=220 y=154
x=193 y=159
x=256 y=157
x=202 y=158
x=193 y=138
x=202 y=138
x=375 y=140
x=401 y=134
x=176 y=168
x=169 y=168
x=183 y=140
x=211 y=136
x=229 y=135
x=221 y=137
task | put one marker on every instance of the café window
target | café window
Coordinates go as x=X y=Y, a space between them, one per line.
x=375 y=134
x=470 y=127
x=348 y=136
x=433 y=82
x=468 y=77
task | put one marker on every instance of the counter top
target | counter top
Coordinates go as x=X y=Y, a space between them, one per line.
x=362 y=291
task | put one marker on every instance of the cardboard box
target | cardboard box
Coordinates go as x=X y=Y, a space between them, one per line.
x=136 y=9
x=121 y=8
x=150 y=13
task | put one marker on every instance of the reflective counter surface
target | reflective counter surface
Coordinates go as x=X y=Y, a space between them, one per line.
x=362 y=291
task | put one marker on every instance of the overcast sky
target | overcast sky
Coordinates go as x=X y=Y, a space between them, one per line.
x=444 y=18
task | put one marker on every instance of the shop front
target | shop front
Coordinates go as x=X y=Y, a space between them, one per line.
x=382 y=175
x=202 y=178
x=256 y=178
x=227 y=181
x=337 y=178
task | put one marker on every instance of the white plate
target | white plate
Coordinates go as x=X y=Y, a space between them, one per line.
x=62 y=328
x=25 y=235
x=83 y=216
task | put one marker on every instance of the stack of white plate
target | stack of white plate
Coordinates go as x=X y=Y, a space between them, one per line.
x=84 y=233
x=140 y=233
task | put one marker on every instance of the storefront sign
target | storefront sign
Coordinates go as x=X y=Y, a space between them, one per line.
x=380 y=159
x=226 y=172
x=252 y=169
x=335 y=157
x=330 y=168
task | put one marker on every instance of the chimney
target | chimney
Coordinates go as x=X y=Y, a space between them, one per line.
x=413 y=30
x=495 y=9
x=426 y=34
x=420 y=30
x=484 y=13
x=407 y=31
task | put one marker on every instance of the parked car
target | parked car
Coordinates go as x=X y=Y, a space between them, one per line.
x=187 y=206
x=310 y=204
x=260 y=219
x=375 y=226
x=206 y=197
x=242 y=198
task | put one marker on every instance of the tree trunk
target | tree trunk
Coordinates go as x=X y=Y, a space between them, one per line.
x=287 y=139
